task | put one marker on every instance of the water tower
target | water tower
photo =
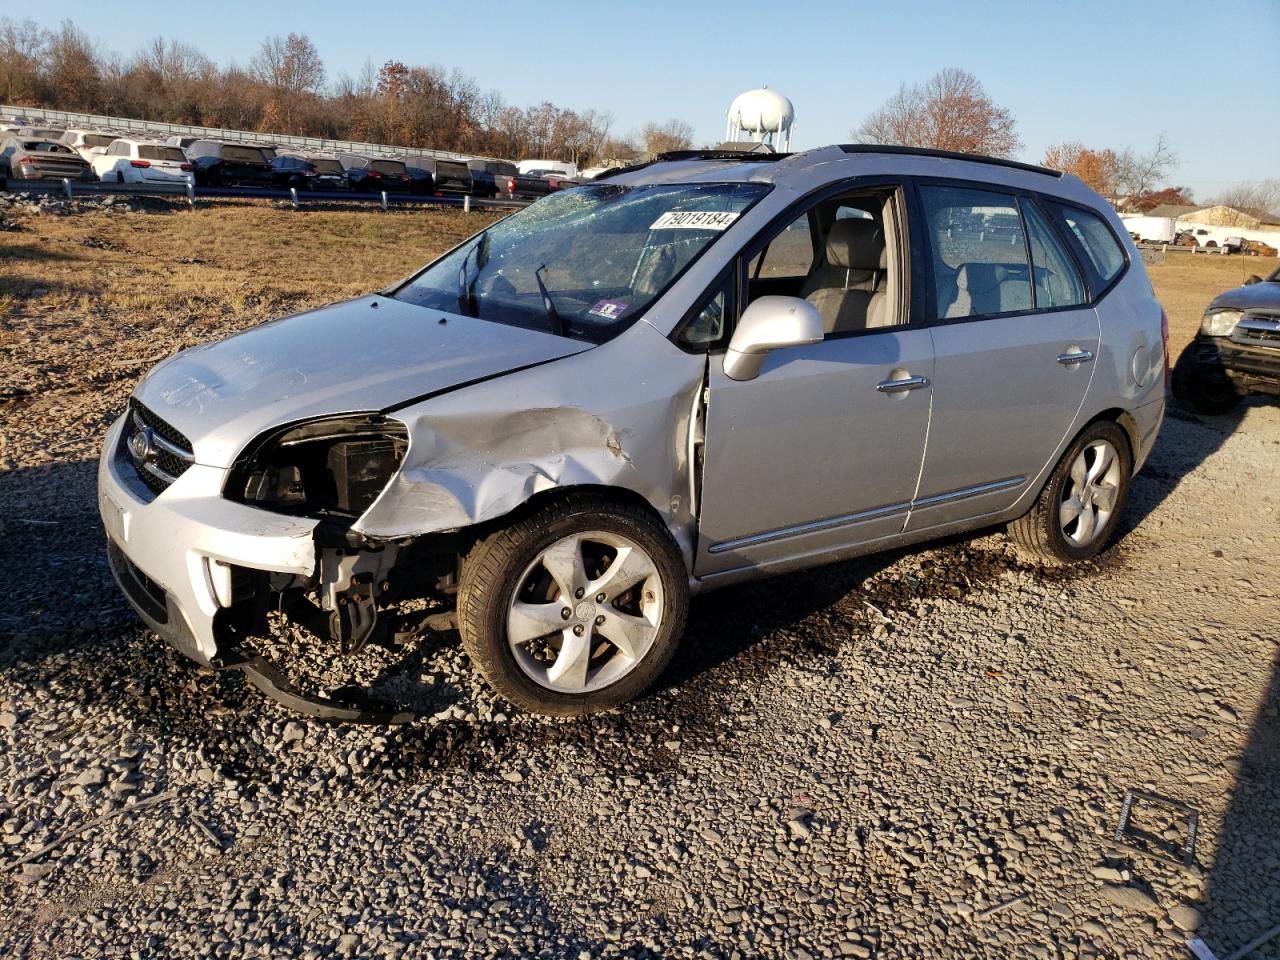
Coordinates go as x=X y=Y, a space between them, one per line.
x=764 y=116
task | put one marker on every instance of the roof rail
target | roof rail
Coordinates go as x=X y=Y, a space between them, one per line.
x=946 y=155
x=675 y=155
x=742 y=155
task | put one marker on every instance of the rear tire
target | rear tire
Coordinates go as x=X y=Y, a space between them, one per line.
x=1201 y=392
x=511 y=607
x=1081 y=503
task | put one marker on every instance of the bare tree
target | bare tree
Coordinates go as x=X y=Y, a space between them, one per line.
x=1138 y=174
x=72 y=67
x=22 y=47
x=672 y=135
x=289 y=65
x=1261 y=196
x=950 y=111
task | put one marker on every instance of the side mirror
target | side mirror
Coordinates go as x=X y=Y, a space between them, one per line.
x=770 y=323
x=1253 y=278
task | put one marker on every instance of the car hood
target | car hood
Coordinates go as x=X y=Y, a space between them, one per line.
x=1255 y=295
x=367 y=354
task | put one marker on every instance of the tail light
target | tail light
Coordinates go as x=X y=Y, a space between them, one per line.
x=139 y=163
x=186 y=166
x=373 y=173
x=511 y=184
x=21 y=160
x=1164 y=339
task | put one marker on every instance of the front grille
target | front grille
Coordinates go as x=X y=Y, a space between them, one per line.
x=1258 y=328
x=158 y=452
x=148 y=595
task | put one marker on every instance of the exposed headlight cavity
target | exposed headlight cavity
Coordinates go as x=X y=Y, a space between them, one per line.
x=332 y=467
x=1220 y=323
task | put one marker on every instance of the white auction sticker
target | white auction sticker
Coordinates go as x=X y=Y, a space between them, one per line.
x=694 y=220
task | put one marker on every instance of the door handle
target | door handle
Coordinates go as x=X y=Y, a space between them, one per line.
x=906 y=383
x=1072 y=357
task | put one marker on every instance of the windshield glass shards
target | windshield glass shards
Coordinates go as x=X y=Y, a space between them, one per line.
x=587 y=261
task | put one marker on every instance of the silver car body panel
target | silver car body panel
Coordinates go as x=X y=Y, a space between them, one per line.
x=365 y=354
x=809 y=455
x=806 y=463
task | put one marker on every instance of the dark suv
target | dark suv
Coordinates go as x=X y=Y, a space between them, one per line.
x=308 y=172
x=222 y=163
x=374 y=175
x=1237 y=351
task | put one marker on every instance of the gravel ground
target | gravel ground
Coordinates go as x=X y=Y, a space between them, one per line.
x=919 y=754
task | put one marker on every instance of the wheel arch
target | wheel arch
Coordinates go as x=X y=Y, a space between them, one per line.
x=1125 y=420
x=624 y=496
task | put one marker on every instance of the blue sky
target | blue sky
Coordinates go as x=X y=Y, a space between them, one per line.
x=1112 y=73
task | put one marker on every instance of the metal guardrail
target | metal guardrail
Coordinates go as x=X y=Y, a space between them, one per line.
x=318 y=144
x=192 y=193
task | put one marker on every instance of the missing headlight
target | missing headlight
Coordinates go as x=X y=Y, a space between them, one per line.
x=334 y=467
x=360 y=469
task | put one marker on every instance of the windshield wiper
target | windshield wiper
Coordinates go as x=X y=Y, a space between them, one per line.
x=557 y=324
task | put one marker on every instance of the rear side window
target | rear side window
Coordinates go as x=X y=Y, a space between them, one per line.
x=1101 y=248
x=46 y=146
x=243 y=154
x=979 y=253
x=1057 y=281
x=149 y=152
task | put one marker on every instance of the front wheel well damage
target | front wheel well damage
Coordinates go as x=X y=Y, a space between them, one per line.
x=367 y=590
x=545 y=498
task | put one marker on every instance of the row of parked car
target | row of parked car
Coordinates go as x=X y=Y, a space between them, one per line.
x=51 y=153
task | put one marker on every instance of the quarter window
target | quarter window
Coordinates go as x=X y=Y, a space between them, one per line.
x=709 y=324
x=1099 y=243
x=1057 y=282
x=979 y=252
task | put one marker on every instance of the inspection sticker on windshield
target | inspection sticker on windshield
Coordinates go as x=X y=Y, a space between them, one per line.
x=609 y=309
x=694 y=220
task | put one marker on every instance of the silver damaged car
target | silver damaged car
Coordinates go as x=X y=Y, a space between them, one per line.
x=696 y=372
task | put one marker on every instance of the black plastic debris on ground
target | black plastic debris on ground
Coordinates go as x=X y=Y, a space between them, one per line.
x=1159 y=827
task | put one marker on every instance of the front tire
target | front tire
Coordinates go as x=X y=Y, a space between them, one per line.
x=577 y=608
x=1199 y=390
x=1081 y=503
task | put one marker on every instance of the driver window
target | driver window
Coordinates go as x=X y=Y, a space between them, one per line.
x=789 y=254
x=842 y=255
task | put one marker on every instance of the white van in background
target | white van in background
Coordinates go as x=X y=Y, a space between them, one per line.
x=543 y=167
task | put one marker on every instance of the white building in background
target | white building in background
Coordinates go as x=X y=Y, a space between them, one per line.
x=1210 y=226
x=761 y=116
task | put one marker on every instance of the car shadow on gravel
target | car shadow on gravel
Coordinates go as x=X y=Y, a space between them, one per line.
x=59 y=595
x=1242 y=893
x=1186 y=440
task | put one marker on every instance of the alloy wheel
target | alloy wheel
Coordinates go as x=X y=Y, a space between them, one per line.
x=1089 y=497
x=585 y=612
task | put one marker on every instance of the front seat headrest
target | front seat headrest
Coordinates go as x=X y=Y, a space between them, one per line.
x=980 y=277
x=855 y=244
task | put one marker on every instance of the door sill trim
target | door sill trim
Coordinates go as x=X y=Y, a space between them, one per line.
x=852 y=519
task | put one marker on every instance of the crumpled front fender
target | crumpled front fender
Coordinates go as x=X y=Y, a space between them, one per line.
x=616 y=416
